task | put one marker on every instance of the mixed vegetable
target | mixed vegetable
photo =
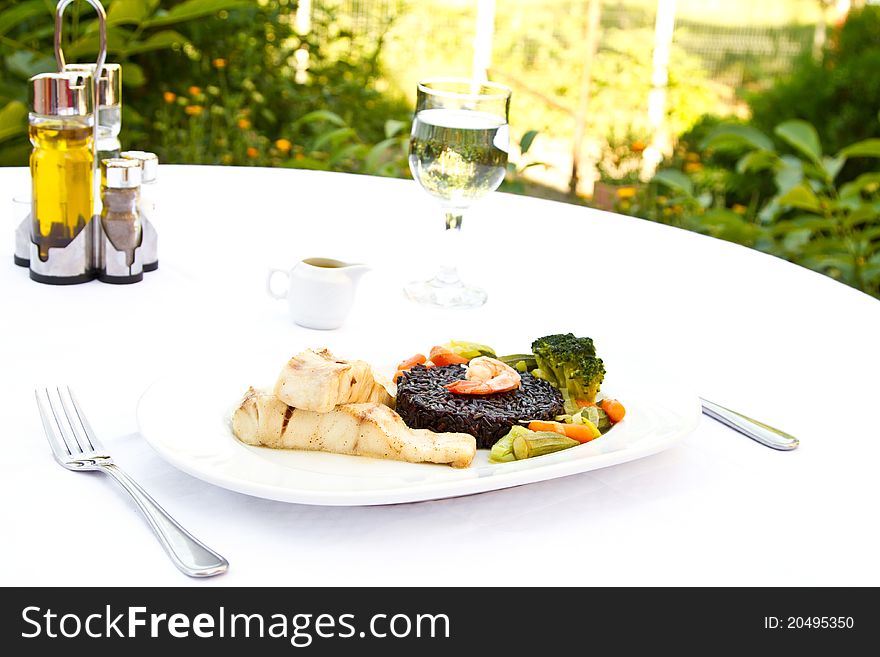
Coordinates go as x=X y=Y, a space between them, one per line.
x=569 y=364
x=452 y=353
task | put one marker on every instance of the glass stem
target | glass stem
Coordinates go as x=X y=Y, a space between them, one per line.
x=448 y=274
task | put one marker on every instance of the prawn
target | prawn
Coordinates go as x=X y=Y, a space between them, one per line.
x=486 y=376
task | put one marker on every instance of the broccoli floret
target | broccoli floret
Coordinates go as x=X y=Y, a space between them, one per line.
x=571 y=364
x=584 y=377
x=554 y=352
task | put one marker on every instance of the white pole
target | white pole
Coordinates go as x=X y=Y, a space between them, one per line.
x=302 y=23
x=592 y=28
x=661 y=141
x=485 y=29
x=303 y=19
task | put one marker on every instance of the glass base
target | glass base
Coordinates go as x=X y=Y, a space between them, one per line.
x=445 y=295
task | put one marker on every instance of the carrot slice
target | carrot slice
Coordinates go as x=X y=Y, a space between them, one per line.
x=412 y=361
x=582 y=403
x=442 y=356
x=583 y=433
x=542 y=425
x=613 y=409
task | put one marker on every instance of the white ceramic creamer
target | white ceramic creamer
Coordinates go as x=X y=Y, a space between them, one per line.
x=320 y=291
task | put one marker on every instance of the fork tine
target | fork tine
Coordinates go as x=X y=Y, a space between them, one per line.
x=73 y=421
x=66 y=429
x=84 y=423
x=50 y=426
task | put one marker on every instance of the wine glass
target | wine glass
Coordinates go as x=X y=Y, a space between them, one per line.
x=458 y=153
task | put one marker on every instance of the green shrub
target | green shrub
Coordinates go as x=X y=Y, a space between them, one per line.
x=813 y=217
x=714 y=170
x=136 y=28
x=255 y=98
x=839 y=94
x=215 y=82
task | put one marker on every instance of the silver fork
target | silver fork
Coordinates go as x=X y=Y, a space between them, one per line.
x=76 y=447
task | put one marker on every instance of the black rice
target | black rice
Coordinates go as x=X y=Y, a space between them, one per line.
x=424 y=403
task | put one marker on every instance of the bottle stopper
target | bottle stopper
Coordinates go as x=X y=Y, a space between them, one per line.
x=149 y=161
x=62 y=94
x=109 y=84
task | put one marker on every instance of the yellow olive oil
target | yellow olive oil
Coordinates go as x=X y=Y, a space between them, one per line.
x=62 y=176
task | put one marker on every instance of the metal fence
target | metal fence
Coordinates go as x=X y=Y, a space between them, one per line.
x=734 y=54
x=537 y=47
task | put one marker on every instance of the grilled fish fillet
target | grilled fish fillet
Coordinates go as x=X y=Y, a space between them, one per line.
x=369 y=429
x=318 y=381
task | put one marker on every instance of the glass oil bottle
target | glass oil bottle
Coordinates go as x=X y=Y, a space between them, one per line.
x=62 y=174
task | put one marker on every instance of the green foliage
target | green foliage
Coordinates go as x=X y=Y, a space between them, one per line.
x=221 y=82
x=134 y=27
x=267 y=77
x=839 y=94
x=813 y=218
x=14 y=146
x=620 y=159
x=515 y=180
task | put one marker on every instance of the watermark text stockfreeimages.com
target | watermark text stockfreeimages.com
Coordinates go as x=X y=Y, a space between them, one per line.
x=299 y=629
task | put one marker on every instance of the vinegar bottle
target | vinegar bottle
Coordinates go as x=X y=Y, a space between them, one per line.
x=62 y=160
x=109 y=110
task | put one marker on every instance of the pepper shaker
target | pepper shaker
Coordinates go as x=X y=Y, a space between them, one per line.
x=150 y=163
x=121 y=229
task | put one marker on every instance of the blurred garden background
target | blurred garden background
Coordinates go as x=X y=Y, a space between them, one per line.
x=753 y=121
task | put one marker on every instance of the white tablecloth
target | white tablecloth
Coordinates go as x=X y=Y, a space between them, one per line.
x=747 y=330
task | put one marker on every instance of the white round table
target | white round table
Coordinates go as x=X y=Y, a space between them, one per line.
x=749 y=331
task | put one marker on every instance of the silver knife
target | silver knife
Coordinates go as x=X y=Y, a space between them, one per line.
x=758 y=431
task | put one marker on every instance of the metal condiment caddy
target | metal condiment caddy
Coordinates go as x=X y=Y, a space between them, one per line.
x=88 y=218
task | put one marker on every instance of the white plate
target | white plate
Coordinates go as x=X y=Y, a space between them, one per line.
x=185 y=417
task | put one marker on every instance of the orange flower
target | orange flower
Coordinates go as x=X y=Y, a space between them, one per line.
x=194 y=91
x=219 y=63
x=169 y=96
x=252 y=152
x=739 y=208
x=244 y=124
x=626 y=192
x=638 y=146
x=193 y=110
x=693 y=167
x=283 y=145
